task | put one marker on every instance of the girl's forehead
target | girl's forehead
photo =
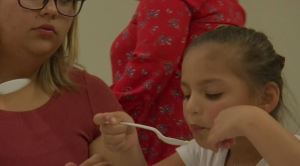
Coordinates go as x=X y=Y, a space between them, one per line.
x=210 y=60
x=214 y=50
x=211 y=55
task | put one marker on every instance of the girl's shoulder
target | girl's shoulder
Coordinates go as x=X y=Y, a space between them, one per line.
x=193 y=154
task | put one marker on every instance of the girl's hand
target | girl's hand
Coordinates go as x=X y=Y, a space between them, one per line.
x=229 y=124
x=94 y=160
x=115 y=136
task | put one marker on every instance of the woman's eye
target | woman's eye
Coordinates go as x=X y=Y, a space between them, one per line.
x=67 y=1
x=213 y=96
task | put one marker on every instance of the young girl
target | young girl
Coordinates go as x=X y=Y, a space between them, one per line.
x=146 y=63
x=232 y=83
x=48 y=122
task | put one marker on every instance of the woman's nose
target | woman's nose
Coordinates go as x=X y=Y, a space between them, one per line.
x=50 y=9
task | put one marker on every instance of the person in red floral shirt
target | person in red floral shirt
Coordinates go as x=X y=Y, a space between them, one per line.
x=146 y=62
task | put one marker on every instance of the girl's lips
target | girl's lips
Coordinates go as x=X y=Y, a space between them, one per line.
x=197 y=129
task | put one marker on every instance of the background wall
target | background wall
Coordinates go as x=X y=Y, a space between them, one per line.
x=102 y=20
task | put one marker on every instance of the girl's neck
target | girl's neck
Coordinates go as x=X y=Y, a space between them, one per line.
x=242 y=153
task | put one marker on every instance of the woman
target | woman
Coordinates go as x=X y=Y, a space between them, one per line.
x=48 y=122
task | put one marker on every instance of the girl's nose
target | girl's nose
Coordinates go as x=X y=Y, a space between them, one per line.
x=192 y=106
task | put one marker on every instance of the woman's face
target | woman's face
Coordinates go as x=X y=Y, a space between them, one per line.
x=31 y=33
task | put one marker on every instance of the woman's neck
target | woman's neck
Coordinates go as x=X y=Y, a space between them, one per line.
x=26 y=99
x=14 y=66
x=242 y=153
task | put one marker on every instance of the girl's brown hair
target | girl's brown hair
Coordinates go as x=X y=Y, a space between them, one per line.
x=259 y=62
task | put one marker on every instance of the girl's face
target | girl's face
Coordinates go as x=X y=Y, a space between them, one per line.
x=31 y=32
x=209 y=86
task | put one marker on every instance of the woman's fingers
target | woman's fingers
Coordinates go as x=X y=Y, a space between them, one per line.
x=111 y=118
x=104 y=118
x=102 y=164
x=96 y=159
x=113 y=129
x=71 y=164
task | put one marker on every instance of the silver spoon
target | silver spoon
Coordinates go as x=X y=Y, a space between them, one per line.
x=13 y=85
x=168 y=140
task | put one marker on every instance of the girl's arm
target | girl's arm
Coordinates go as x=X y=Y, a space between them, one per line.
x=132 y=157
x=276 y=145
x=173 y=160
x=110 y=155
x=118 y=143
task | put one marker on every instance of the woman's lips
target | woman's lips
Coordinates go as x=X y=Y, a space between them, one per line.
x=46 y=30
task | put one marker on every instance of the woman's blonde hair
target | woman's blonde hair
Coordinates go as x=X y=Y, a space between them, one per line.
x=54 y=74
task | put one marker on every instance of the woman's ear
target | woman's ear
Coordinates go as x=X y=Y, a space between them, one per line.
x=271 y=96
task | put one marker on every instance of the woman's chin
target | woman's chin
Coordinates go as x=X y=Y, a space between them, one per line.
x=45 y=49
x=42 y=46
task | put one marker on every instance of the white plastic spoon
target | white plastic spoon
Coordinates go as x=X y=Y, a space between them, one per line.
x=13 y=85
x=168 y=140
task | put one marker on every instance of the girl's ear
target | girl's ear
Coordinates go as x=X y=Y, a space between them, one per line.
x=271 y=96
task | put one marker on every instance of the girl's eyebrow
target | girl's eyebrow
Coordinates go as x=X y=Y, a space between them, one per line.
x=182 y=83
x=204 y=82
x=209 y=81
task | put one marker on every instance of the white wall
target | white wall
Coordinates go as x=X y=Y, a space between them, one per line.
x=102 y=20
x=280 y=20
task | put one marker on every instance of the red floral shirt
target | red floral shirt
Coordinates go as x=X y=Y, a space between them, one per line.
x=146 y=62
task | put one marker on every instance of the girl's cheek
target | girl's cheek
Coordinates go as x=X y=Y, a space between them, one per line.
x=219 y=107
x=214 y=113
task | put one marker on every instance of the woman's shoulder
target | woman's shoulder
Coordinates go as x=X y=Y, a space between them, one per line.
x=88 y=83
x=99 y=94
x=82 y=78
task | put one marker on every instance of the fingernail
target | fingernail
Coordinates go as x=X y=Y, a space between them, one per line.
x=113 y=120
x=107 y=120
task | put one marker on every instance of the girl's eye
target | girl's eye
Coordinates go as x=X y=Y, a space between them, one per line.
x=64 y=1
x=213 y=96
x=186 y=97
